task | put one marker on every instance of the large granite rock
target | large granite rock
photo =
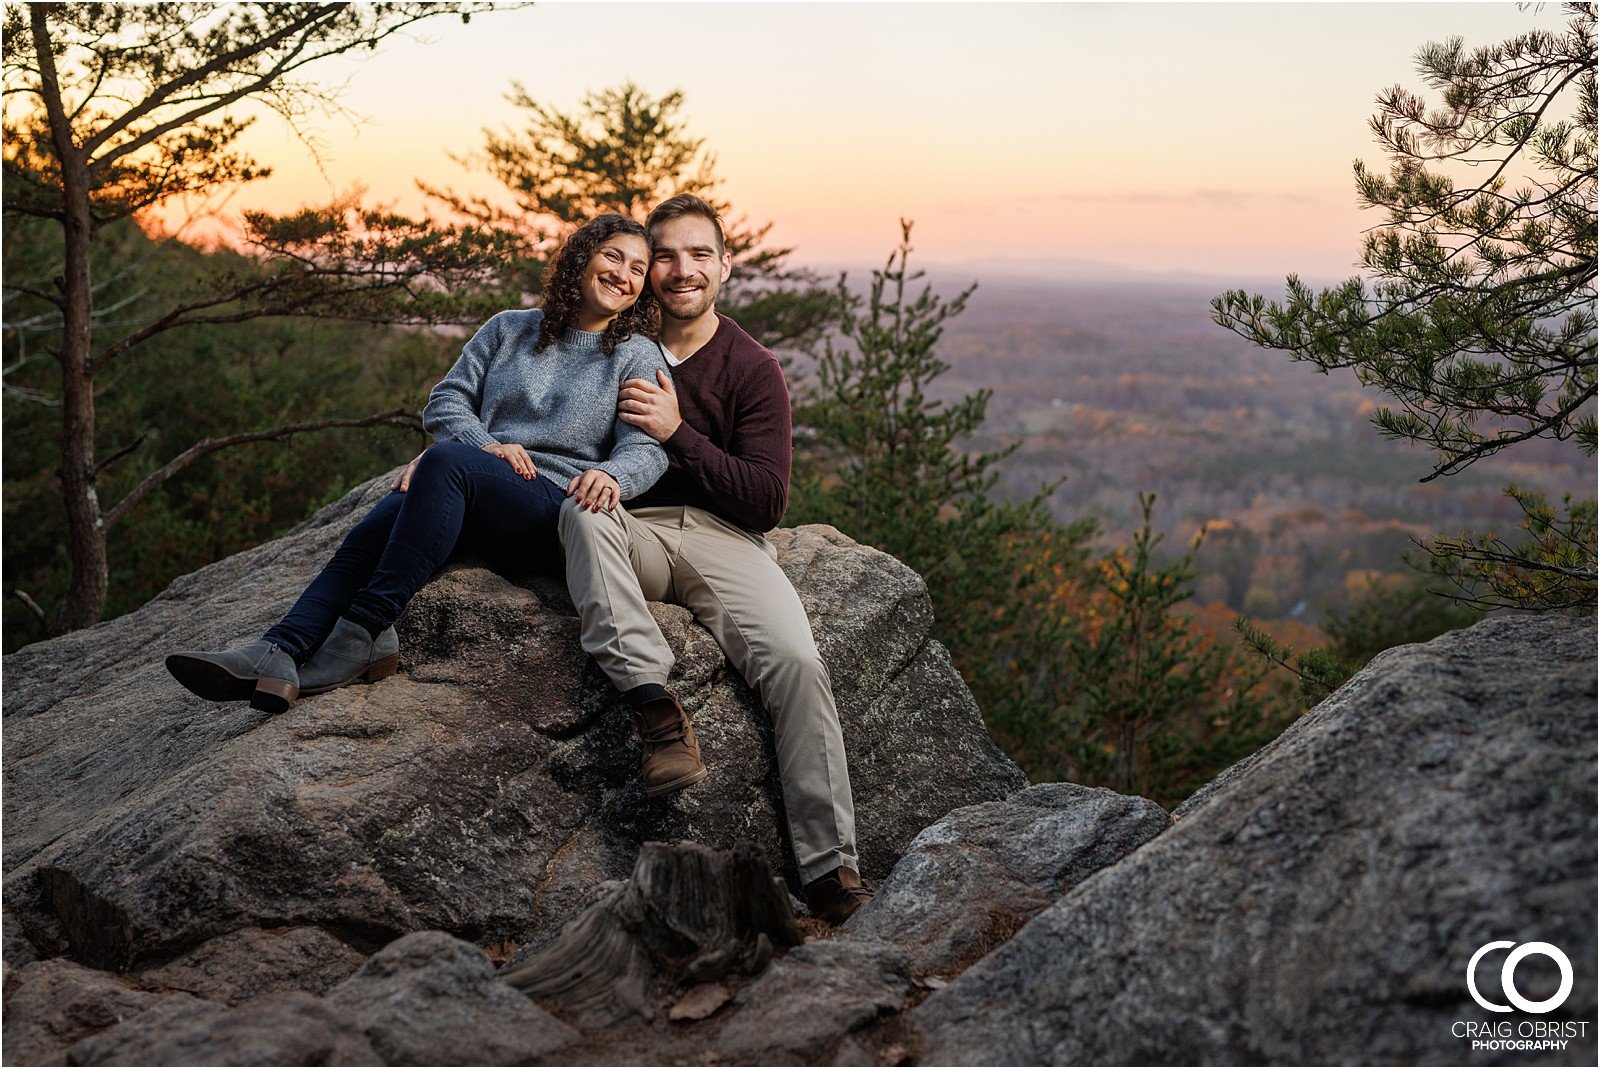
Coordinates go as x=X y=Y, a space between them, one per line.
x=52 y=1005
x=800 y=1007
x=285 y=1029
x=431 y=999
x=964 y=887
x=484 y=790
x=1316 y=903
x=251 y=962
x=1319 y=902
x=967 y=883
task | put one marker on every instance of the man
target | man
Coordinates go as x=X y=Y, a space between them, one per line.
x=697 y=538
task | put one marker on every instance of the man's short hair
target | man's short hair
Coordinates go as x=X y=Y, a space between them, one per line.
x=681 y=205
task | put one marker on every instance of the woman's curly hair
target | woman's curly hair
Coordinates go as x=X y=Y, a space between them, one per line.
x=563 y=288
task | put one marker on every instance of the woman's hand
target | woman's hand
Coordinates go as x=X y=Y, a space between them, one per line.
x=402 y=482
x=595 y=490
x=514 y=455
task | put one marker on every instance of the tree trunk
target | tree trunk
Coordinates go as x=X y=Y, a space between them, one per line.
x=687 y=914
x=86 y=532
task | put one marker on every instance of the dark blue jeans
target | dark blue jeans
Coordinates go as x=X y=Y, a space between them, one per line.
x=460 y=498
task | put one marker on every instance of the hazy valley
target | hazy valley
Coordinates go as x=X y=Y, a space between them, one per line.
x=1126 y=385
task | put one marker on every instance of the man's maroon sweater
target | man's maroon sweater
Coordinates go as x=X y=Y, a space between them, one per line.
x=731 y=455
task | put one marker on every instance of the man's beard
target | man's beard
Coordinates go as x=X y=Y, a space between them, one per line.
x=701 y=303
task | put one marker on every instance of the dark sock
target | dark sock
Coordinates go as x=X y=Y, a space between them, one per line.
x=647 y=692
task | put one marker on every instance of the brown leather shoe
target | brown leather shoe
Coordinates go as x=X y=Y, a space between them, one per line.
x=837 y=895
x=671 y=754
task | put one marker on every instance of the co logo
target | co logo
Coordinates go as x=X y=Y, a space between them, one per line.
x=1508 y=977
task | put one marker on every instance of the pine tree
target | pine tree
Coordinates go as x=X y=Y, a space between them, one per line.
x=1139 y=699
x=1477 y=315
x=885 y=458
x=112 y=109
x=1085 y=666
x=623 y=150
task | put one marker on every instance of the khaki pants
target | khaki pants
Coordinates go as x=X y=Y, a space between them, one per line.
x=730 y=580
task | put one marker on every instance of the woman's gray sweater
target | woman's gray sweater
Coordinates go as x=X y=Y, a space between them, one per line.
x=560 y=405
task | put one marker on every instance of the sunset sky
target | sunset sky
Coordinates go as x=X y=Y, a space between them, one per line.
x=1201 y=138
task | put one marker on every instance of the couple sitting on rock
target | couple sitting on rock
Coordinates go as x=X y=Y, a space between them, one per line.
x=553 y=418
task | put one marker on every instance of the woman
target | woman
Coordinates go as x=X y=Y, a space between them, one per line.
x=526 y=418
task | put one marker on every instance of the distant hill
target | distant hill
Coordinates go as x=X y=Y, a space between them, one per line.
x=1051 y=272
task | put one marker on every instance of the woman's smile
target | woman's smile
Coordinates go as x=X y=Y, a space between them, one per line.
x=615 y=275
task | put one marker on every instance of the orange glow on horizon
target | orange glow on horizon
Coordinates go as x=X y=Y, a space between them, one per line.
x=1200 y=138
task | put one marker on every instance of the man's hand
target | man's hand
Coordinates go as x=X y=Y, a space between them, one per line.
x=652 y=406
x=514 y=455
x=402 y=482
x=595 y=490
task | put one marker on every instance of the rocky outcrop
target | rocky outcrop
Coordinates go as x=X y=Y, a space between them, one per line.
x=964 y=886
x=337 y=885
x=484 y=790
x=1319 y=902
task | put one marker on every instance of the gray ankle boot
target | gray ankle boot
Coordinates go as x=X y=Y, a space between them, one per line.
x=260 y=671
x=350 y=653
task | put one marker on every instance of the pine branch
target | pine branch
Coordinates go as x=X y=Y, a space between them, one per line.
x=158 y=97
x=1546 y=426
x=206 y=446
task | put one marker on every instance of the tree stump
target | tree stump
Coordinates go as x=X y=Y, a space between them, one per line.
x=687 y=914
